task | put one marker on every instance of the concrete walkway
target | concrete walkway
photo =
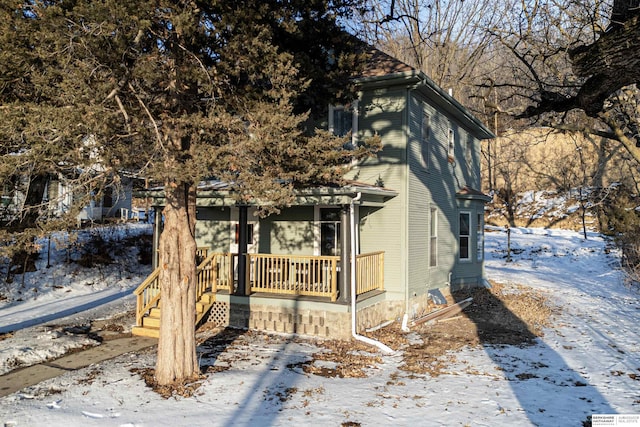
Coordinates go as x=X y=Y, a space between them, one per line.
x=108 y=349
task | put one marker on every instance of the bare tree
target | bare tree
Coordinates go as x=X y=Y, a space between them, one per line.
x=571 y=62
x=446 y=39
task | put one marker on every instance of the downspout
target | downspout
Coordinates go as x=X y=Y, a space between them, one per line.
x=352 y=224
x=405 y=319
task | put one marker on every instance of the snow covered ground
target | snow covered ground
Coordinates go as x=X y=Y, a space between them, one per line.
x=589 y=362
x=67 y=294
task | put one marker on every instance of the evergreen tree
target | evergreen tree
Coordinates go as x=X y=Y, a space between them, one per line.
x=177 y=91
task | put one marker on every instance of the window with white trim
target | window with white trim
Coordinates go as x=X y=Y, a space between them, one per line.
x=480 y=237
x=464 y=236
x=330 y=231
x=433 y=237
x=344 y=119
x=249 y=234
x=451 y=137
x=425 y=134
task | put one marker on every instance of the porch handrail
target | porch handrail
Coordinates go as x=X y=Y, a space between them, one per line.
x=147 y=295
x=369 y=272
x=214 y=273
x=209 y=276
x=294 y=274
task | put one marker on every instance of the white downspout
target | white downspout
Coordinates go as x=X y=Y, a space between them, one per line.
x=405 y=318
x=352 y=224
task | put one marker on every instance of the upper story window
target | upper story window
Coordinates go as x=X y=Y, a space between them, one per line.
x=425 y=134
x=451 y=140
x=344 y=119
x=468 y=152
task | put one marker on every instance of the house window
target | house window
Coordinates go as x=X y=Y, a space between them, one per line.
x=344 y=119
x=433 y=237
x=107 y=199
x=425 y=132
x=249 y=234
x=52 y=190
x=468 y=152
x=450 y=145
x=480 y=237
x=464 y=235
x=330 y=231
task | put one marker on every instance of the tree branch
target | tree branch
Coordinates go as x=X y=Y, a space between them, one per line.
x=607 y=65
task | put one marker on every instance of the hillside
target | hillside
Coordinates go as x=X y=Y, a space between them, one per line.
x=543 y=209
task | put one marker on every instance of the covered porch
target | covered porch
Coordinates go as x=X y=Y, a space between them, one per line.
x=331 y=233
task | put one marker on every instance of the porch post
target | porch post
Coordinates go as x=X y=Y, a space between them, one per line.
x=344 y=281
x=243 y=242
x=157 y=229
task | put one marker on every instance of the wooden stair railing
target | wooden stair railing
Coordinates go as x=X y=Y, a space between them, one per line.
x=147 y=295
x=208 y=277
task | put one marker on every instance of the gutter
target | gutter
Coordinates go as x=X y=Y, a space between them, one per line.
x=354 y=333
x=426 y=85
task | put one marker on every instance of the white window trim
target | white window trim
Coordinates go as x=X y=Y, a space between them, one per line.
x=451 y=142
x=480 y=237
x=425 y=140
x=433 y=226
x=354 y=120
x=316 y=228
x=468 y=236
x=317 y=232
x=469 y=152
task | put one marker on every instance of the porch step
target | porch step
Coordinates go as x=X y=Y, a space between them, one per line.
x=142 y=331
x=151 y=322
x=208 y=298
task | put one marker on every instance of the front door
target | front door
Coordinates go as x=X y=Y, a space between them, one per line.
x=252 y=232
x=329 y=231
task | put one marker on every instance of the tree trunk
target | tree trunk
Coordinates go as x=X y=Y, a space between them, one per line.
x=177 y=361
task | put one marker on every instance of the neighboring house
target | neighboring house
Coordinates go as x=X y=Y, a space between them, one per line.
x=412 y=216
x=59 y=194
x=114 y=202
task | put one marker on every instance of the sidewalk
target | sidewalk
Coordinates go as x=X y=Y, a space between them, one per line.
x=108 y=349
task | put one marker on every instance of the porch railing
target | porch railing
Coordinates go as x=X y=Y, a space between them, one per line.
x=147 y=295
x=266 y=273
x=369 y=272
x=216 y=272
x=213 y=273
x=294 y=275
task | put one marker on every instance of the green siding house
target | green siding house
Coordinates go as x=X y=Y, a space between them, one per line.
x=341 y=260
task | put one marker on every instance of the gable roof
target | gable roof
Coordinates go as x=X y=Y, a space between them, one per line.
x=383 y=69
x=381 y=64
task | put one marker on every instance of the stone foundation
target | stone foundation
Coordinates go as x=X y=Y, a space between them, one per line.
x=325 y=323
x=321 y=319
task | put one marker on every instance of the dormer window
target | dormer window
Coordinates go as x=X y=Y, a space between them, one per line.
x=344 y=119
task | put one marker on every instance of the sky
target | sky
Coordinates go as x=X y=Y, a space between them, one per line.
x=587 y=363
